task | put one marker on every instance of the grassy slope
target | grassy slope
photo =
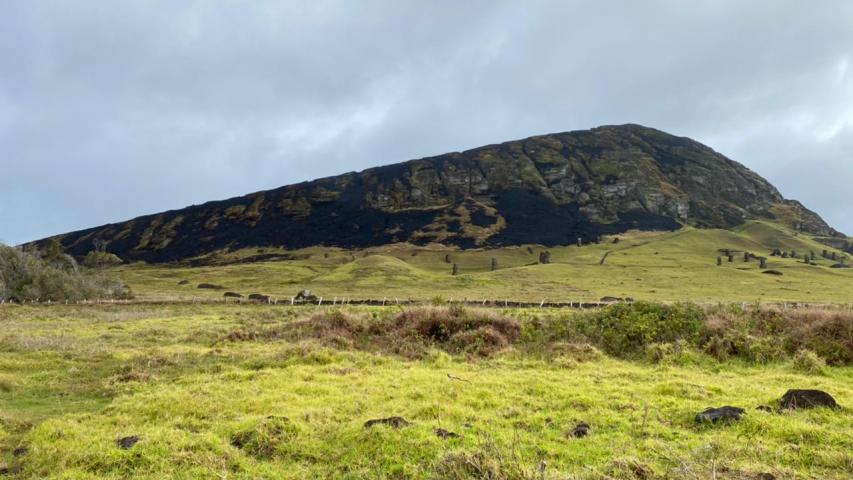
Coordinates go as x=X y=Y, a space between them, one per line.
x=665 y=266
x=76 y=379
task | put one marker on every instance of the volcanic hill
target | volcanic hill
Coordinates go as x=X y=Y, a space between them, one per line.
x=549 y=189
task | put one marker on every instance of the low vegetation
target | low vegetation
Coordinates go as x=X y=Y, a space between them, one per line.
x=52 y=277
x=260 y=391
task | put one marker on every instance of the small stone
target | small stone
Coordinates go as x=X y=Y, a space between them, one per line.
x=725 y=414
x=581 y=430
x=446 y=434
x=125 y=443
x=764 y=408
x=394 y=422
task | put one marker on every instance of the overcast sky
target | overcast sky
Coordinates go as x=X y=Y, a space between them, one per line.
x=114 y=109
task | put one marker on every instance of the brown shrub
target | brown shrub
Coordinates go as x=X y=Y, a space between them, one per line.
x=482 y=341
x=439 y=324
x=827 y=332
x=773 y=334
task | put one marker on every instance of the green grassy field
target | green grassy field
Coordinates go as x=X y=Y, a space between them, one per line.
x=212 y=391
x=672 y=266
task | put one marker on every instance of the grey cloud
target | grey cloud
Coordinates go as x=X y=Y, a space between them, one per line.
x=109 y=110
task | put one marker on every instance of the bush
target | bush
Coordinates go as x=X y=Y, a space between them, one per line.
x=764 y=335
x=459 y=329
x=807 y=361
x=24 y=276
x=95 y=259
x=626 y=329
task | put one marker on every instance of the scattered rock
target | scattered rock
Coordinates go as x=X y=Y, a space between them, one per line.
x=446 y=434
x=795 y=399
x=772 y=272
x=232 y=295
x=839 y=265
x=19 y=452
x=764 y=408
x=184 y=282
x=257 y=297
x=765 y=476
x=126 y=443
x=581 y=430
x=395 y=422
x=722 y=414
x=210 y=286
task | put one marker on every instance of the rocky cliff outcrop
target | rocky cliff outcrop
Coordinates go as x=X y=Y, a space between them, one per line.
x=549 y=189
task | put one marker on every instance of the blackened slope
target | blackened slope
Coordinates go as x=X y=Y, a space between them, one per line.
x=550 y=189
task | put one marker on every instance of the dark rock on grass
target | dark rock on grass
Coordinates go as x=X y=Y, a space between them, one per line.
x=394 y=422
x=797 y=399
x=772 y=272
x=765 y=476
x=184 y=282
x=722 y=414
x=764 y=408
x=839 y=265
x=232 y=295
x=581 y=430
x=257 y=297
x=126 y=443
x=446 y=434
x=210 y=286
x=20 y=451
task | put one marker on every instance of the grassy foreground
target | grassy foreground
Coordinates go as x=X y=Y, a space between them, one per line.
x=674 y=266
x=242 y=391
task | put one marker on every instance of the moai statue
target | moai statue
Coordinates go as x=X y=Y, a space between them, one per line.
x=727 y=252
x=530 y=250
x=812 y=255
x=731 y=258
x=793 y=254
x=825 y=254
x=762 y=263
x=784 y=254
x=494 y=264
x=834 y=256
x=455 y=270
x=447 y=258
x=545 y=257
x=745 y=256
x=580 y=242
x=719 y=261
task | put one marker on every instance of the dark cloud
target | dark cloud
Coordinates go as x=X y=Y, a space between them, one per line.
x=109 y=110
